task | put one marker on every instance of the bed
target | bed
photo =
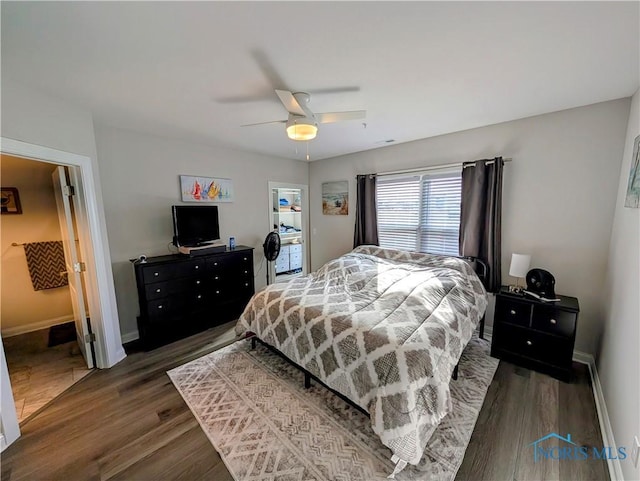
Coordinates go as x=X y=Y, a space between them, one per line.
x=383 y=328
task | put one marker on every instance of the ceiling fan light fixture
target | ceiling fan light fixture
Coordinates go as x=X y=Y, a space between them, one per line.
x=302 y=129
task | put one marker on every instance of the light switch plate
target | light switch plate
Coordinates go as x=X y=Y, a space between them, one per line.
x=635 y=453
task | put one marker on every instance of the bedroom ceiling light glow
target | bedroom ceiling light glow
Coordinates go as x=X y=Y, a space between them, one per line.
x=302 y=129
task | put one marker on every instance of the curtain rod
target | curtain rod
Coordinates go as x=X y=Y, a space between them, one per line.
x=434 y=167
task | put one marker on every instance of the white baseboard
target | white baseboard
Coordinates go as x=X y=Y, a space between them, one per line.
x=615 y=470
x=129 y=336
x=608 y=439
x=36 y=326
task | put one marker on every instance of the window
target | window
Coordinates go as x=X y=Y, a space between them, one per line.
x=420 y=212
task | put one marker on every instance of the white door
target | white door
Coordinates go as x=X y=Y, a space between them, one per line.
x=9 y=428
x=63 y=192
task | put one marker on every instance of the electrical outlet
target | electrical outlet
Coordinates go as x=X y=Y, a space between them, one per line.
x=635 y=453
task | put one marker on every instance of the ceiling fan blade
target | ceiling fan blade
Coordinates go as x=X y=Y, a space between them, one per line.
x=290 y=103
x=333 y=90
x=329 y=117
x=264 y=123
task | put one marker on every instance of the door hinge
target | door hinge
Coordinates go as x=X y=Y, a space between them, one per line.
x=68 y=190
x=79 y=267
x=90 y=337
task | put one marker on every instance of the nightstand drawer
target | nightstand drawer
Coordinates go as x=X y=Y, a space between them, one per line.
x=534 y=345
x=554 y=321
x=513 y=311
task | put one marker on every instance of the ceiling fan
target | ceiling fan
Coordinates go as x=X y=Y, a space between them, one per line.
x=302 y=123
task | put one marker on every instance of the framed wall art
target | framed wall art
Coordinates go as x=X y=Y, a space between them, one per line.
x=206 y=189
x=10 y=201
x=335 y=198
x=633 y=187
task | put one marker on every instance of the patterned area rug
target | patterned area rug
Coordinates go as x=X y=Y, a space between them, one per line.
x=253 y=407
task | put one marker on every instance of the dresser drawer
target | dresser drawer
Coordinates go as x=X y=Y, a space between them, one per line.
x=554 y=321
x=513 y=311
x=295 y=261
x=159 y=290
x=166 y=272
x=295 y=249
x=534 y=345
x=282 y=263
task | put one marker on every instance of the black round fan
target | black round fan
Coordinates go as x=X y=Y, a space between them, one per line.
x=271 y=248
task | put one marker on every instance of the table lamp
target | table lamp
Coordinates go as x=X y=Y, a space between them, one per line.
x=518 y=269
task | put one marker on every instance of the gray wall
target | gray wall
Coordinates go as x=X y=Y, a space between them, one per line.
x=619 y=358
x=558 y=199
x=139 y=175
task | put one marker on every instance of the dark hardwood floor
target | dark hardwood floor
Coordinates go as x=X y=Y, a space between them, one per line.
x=129 y=423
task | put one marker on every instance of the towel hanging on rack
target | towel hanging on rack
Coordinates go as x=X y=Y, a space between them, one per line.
x=46 y=264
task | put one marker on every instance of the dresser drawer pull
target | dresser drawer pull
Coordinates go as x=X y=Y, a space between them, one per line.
x=215 y=263
x=246 y=272
x=197 y=282
x=217 y=292
x=512 y=312
x=156 y=274
x=197 y=267
x=246 y=284
x=553 y=321
x=160 y=306
x=157 y=290
x=244 y=258
x=216 y=278
x=529 y=343
x=199 y=296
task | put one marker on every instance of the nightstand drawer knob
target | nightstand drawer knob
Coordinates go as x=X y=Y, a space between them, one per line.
x=197 y=267
x=156 y=274
x=160 y=306
x=553 y=321
x=197 y=282
x=529 y=343
x=216 y=278
x=217 y=292
x=512 y=312
x=215 y=263
x=199 y=296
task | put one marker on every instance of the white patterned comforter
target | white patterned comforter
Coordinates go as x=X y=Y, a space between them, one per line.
x=383 y=327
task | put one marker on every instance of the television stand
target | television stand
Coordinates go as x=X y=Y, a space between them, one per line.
x=180 y=295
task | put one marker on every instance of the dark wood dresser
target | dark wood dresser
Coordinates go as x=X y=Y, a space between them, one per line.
x=180 y=295
x=535 y=334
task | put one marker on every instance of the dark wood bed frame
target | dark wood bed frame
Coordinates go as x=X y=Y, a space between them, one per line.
x=477 y=264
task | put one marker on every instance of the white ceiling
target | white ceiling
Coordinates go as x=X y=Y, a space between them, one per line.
x=199 y=70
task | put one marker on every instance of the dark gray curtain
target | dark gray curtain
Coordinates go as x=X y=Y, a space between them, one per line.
x=481 y=213
x=366 y=231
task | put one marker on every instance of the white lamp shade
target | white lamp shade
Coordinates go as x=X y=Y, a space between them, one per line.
x=519 y=265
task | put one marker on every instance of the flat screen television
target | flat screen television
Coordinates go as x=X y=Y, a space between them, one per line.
x=195 y=225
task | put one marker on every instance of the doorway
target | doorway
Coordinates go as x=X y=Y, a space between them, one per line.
x=288 y=216
x=98 y=275
x=40 y=306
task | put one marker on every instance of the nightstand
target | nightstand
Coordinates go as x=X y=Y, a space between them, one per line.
x=535 y=334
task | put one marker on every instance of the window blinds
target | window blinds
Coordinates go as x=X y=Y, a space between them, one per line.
x=420 y=212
